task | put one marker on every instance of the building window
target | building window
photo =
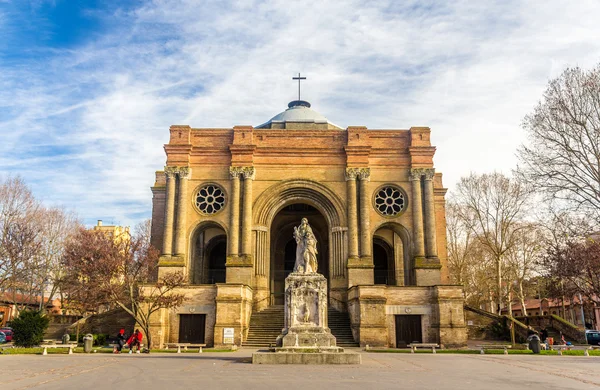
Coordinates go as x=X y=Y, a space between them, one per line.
x=390 y=201
x=210 y=199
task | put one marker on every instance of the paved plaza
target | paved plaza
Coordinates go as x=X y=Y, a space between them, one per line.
x=234 y=371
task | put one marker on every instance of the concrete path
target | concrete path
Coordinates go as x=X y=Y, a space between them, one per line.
x=234 y=371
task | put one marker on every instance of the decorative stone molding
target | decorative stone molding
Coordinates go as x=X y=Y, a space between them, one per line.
x=170 y=172
x=249 y=173
x=351 y=173
x=339 y=229
x=416 y=173
x=364 y=174
x=184 y=172
x=235 y=172
x=428 y=173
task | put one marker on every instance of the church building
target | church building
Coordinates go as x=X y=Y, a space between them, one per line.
x=225 y=205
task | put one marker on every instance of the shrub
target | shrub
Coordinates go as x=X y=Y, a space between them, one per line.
x=29 y=328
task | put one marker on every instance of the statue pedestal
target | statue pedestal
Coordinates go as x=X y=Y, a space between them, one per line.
x=305 y=318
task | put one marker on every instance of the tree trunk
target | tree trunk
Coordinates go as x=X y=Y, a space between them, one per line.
x=509 y=299
x=522 y=298
x=499 y=284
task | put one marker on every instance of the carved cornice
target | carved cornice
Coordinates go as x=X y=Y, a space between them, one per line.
x=429 y=173
x=249 y=173
x=351 y=173
x=364 y=174
x=170 y=172
x=235 y=172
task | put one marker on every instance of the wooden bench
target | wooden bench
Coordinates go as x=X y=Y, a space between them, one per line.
x=46 y=346
x=494 y=346
x=560 y=348
x=414 y=346
x=185 y=346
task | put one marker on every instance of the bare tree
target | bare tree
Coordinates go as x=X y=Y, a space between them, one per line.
x=101 y=269
x=57 y=225
x=562 y=155
x=492 y=206
x=523 y=259
x=460 y=243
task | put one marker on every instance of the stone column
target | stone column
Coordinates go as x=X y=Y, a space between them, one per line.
x=351 y=174
x=249 y=174
x=365 y=207
x=234 y=221
x=180 y=230
x=417 y=213
x=429 y=204
x=167 y=248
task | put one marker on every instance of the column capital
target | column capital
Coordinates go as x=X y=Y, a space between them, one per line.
x=416 y=173
x=184 y=172
x=170 y=172
x=351 y=173
x=364 y=174
x=235 y=172
x=429 y=173
x=249 y=173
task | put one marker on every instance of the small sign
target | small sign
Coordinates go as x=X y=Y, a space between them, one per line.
x=228 y=334
x=470 y=323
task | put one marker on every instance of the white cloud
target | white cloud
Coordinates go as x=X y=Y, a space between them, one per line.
x=470 y=70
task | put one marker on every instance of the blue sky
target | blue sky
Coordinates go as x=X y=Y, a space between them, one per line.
x=88 y=89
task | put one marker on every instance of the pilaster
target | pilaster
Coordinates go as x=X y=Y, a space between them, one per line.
x=167 y=248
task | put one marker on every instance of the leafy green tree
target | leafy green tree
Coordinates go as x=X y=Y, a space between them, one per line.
x=29 y=328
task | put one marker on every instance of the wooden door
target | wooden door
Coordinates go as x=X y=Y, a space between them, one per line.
x=408 y=330
x=191 y=328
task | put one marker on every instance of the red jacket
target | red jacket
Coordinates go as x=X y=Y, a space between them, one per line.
x=139 y=337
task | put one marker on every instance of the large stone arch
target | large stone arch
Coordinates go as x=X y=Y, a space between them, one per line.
x=283 y=194
x=321 y=197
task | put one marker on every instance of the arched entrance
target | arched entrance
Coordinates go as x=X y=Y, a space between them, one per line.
x=283 y=245
x=383 y=262
x=208 y=255
x=391 y=256
x=333 y=232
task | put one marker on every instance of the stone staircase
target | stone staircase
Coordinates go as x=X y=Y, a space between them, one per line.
x=339 y=323
x=267 y=324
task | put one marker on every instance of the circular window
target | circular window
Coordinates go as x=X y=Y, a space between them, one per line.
x=210 y=199
x=390 y=201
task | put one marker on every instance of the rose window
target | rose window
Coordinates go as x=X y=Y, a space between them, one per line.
x=390 y=201
x=210 y=199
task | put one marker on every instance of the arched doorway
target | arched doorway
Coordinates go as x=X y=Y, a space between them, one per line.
x=391 y=256
x=383 y=262
x=283 y=245
x=208 y=255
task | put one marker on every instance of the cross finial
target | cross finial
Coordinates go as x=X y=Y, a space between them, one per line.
x=298 y=78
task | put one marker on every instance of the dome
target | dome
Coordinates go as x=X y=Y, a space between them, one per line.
x=299 y=115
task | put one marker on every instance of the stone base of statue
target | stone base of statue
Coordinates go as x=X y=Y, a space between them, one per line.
x=305 y=318
x=306 y=338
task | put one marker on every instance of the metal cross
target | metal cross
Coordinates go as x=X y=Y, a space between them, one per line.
x=298 y=78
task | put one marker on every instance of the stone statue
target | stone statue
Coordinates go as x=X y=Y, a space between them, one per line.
x=306 y=249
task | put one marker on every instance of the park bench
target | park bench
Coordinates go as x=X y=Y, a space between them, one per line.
x=494 y=346
x=560 y=348
x=414 y=346
x=46 y=346
x=185 y=346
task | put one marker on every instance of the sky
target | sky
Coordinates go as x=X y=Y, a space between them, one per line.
x=89 y=88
